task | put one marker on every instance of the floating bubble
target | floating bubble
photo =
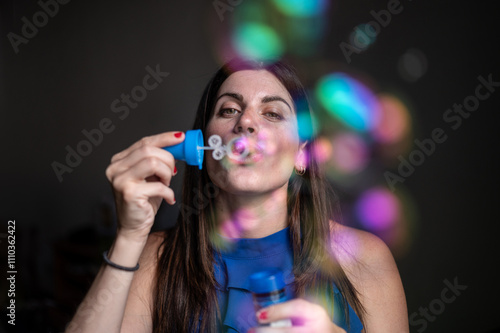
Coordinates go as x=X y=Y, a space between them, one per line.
x=363 y=36
x=412 y=65
x=239 y=146
x=322 y=150
x=350 y=153
x=378 y=208
x=389 y=216
x=257 y=41
x=349 y=101
x=307 y=124
x=241 y=150
x=395 y=120
x=301 y=8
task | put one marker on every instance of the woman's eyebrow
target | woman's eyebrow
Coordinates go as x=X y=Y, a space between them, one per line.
x=266 y=99
x=236 y=96
x=269 y=99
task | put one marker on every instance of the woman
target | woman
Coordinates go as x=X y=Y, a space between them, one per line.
x=237 y=217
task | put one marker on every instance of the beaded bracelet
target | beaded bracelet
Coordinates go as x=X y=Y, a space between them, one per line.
x=112 y=264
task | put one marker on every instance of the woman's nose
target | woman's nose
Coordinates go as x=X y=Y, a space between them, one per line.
x=246 y=123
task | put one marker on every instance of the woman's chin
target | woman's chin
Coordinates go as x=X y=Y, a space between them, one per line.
x=244 y=188
x=248 y=178
x=252 y=185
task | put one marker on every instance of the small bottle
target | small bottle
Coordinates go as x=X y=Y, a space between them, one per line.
x=189 y=149
x=268 y=288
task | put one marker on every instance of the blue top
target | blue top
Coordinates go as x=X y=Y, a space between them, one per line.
x=246 y=256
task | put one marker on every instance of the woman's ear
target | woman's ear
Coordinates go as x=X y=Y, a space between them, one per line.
x=301 y=157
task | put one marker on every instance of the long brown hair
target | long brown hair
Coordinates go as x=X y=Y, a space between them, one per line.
x=185 y=297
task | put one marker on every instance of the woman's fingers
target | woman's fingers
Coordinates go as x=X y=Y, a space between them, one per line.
x=158 y=140
x=143 y=163
x=306 y=317
x=137 y=205
x=145 y=191
x=267 y=329
x=148 y=169
x=140 y=176
x=291 y=309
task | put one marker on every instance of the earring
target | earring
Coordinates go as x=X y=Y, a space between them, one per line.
x=302 y=171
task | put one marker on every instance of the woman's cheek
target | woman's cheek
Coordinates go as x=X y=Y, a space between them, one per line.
x=216 y=172
x=283 y=160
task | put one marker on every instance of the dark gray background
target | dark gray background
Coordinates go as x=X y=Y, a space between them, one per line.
x=65 y=78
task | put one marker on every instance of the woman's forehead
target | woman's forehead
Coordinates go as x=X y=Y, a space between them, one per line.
x=254 y=82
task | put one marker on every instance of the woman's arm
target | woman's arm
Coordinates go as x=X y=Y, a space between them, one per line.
x=370 y=266
x=138 y=316
x=103 y=308
x=140 y=176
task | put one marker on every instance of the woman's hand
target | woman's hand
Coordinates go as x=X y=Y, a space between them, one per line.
x=306 y=317
x=140 y=176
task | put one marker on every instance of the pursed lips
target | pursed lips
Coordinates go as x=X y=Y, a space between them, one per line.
x=246 y=150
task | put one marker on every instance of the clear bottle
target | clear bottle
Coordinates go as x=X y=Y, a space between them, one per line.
x=268 y=288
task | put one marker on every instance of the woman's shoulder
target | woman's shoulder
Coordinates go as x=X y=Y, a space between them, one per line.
x=370 y=266
x=358 y=249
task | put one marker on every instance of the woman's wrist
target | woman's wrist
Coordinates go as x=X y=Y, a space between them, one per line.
x=126 y=250
x=133 y=237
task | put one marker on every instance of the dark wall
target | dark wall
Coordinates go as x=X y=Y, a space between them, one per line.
x=65 y=78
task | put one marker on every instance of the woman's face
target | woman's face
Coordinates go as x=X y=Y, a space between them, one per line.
x=254 y=105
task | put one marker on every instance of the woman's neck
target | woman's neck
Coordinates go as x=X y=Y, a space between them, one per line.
x=252 y=215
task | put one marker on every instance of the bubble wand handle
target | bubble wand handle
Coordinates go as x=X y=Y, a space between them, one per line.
x=188 y=150
x=191 y=150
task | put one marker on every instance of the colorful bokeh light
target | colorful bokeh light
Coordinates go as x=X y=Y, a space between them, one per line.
x=378 y=209
x=389 y=216
x=363 y=36
x=350 y=153
x=257 y=41
x=301 y=8
x=412 y=65
x=395 y=120
x=308 y=125
x=349 y=101
x=322 y=150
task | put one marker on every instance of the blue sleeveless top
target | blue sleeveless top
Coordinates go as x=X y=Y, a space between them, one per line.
x=239 y=260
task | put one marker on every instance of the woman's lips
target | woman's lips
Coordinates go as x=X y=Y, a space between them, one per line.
x=251 y=158
x=245 y=150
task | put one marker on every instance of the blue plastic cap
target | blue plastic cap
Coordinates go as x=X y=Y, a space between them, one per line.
x=188 y=149
x=267 y=281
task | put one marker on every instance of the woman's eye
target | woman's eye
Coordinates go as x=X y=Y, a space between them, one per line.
x=273 y=115
x=228 y=112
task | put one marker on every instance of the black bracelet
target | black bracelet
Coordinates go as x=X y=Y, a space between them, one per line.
x=112 y=264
